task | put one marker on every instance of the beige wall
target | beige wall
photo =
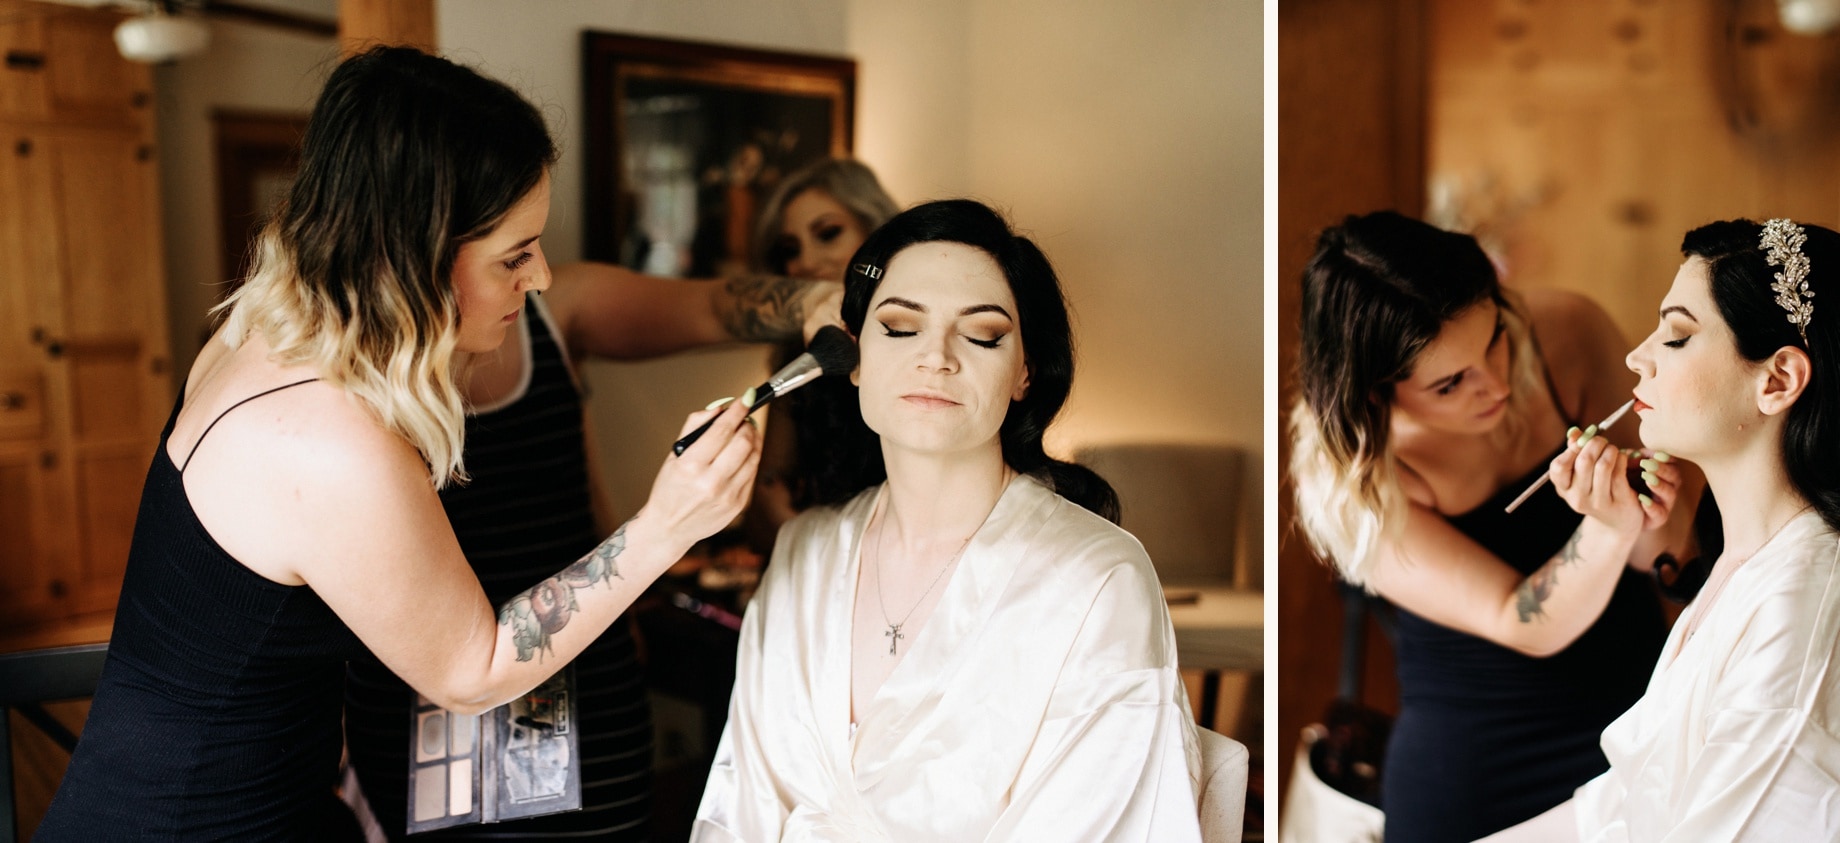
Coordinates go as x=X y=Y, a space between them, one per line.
x=1125 y=137
x=251 y=68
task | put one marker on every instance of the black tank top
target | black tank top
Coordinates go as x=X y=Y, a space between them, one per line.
x=217 y=714
x=1488 y=737
x=525 y=514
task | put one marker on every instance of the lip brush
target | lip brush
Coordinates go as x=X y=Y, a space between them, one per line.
x=1547 y=477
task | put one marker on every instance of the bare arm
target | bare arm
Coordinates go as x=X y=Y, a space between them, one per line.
x=1435 y=571
x=608 y=311
x=349 y=512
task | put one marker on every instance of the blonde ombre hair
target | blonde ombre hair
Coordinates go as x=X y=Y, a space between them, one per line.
x=1378 y=290
x=407 y=157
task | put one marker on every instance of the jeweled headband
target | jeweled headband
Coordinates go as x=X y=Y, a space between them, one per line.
x=1782 y=245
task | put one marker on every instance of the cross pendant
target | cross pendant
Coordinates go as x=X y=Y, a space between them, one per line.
x=894 y=637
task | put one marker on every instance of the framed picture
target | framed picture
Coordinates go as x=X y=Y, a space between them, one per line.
x=686 y=141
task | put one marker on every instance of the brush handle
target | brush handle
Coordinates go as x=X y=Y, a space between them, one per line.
x=762 y=394
x=1546 y=478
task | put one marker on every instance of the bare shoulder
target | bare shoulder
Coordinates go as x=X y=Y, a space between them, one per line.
x=1582 y=348
x=281 y=480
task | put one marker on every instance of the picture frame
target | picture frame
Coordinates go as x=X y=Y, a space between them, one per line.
x=686 y=141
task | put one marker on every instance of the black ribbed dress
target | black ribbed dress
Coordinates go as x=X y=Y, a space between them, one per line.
x=1488 y=737
x=217 y=716
x=525 y=515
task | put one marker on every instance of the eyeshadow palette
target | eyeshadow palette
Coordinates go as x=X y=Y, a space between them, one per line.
x=521 y=759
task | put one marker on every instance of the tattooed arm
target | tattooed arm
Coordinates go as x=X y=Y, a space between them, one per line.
x=372 y=541
x=607 y=311
x=1436 y=572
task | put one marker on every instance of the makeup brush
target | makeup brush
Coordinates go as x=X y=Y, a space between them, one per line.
x=1547 y=477
x=831 y=352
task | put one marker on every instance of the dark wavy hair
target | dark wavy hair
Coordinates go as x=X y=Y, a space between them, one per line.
x=845 y=456
x=1380 y=288
x=1740 y=280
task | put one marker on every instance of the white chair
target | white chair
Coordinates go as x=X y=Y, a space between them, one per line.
x=1223 y=787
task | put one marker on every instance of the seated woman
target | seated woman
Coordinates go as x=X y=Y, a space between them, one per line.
x=961 y=646
x=1735 y=737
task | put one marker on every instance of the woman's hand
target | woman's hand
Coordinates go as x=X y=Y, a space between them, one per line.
x=701 y=491
x=1663 y=478
x=1591 y=477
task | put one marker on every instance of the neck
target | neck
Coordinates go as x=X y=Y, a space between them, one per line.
x=1753 y=490
x=934 y=500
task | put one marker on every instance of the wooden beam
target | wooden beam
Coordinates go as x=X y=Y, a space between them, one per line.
x=367 y=23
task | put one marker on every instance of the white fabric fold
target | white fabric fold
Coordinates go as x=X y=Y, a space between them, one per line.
x=1735 y=738
x=1041 y=700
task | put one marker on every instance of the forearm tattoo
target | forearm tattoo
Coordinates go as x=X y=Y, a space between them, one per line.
x=1530 y=598
x=764 y=308
x=538 y=614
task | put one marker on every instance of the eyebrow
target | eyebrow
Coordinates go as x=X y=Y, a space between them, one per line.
x=1680 y=310
x=917 y=307
x=522 y=243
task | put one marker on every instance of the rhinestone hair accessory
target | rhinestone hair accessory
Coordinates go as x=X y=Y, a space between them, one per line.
x=1782 y=245
x=874 y=273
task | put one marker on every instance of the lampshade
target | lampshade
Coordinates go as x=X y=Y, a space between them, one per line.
x=158 y=37
x=1809 y=17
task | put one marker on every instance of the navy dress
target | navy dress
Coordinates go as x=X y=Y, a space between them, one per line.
x=525 y=515
x=217 y=715
x=1488 y=737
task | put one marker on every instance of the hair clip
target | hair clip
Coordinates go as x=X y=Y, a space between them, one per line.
x=1782 y=243
x=871 y=271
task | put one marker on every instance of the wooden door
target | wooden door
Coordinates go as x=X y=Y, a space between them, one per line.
x=84 y=374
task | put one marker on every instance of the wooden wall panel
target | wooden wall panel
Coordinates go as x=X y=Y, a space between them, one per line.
x=1350 y=124
x=1581 y=138
x=366 y=23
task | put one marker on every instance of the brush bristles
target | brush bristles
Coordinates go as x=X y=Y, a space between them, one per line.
x=834 y=350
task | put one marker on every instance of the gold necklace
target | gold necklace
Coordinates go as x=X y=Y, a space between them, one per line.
x=1705 y=607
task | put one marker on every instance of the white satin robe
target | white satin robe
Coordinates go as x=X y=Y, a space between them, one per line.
x=1738 y=735
x=1040 y=701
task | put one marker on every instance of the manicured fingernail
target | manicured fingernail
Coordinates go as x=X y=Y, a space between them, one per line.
x=1662 y=456
x=1646 y=500
x=1591 y=431
x=719 y=402
x=748 y=397
x=1589 y=434
x=1650 y=465
x=1572 y=432
x=1650 y=478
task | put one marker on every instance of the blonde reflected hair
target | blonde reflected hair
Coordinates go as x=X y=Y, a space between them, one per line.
x=406 y=158
x=1378 y=290
x=848 y=181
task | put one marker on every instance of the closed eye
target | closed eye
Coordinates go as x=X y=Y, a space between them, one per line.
x=989 y=343
x=889 y=331
x=1450 y=387
x=1679 y=343
x=518 y=262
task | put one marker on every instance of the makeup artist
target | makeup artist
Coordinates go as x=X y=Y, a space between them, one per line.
x=528 y=509
x=291 y=518
x=1430 y=397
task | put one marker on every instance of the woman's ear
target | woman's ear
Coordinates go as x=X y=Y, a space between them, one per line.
x=1784 y=377
x=1022 y=386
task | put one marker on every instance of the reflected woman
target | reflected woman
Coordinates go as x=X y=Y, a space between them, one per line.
x=960 y=645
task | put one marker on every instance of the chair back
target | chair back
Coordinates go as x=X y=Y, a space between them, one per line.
x=1195 y=507
x=38 y=676
x=1224 y=764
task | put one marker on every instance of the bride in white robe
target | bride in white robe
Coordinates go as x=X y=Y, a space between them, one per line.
x=1738 y=735
x=1031 y=693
